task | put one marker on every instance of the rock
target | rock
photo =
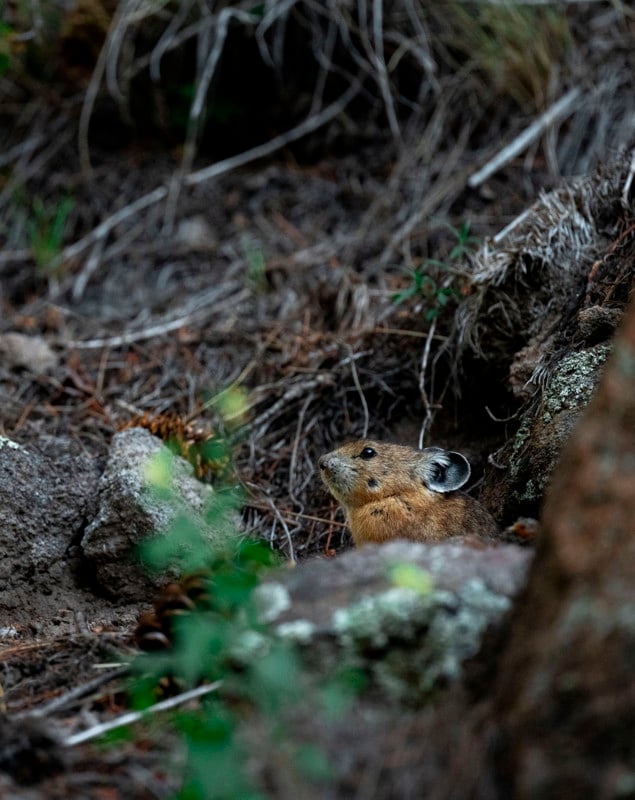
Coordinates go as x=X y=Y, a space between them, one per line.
x=31 y=352
x=195 y=233
x=407 y=613
x=129 y=511
x=44 y=503
x=546 y=297
x=30 y=751
x=564 y=710
x=536 y=447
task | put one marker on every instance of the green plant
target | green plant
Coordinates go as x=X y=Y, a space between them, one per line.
x=46 y=229
x=424 y=278
x=256 y=263
x=223 y=639
x=6 y=47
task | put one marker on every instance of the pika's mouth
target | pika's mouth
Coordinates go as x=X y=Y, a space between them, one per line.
x=334 y=474
x=327 y=472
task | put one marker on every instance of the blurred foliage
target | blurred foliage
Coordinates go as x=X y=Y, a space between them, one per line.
x=516 y=46
x=223 y=639
x=46 y=229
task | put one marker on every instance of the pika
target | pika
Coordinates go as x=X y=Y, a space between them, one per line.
x=391 y=491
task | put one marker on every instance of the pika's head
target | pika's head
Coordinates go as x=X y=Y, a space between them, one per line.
x=365 y=471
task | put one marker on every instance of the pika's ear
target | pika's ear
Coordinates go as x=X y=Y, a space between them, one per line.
x=442 y=470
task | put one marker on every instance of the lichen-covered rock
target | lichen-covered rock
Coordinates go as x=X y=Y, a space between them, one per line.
x=408 y=614
x=546 y=296
x=564 y=710
x=538 y=442
x=129 y=511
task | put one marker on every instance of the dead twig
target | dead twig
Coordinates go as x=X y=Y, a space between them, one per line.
x=136 y=716
x=159 y=329
x=213 y=171
x=360 y=391
x=285 y=528
x=427 y=420
x=629 y=180
x=73 y=695
x=196 y=109
x=559 y=109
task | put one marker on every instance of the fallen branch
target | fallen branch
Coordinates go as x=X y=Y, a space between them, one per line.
x=136 y=716
x=559 y=109
x=160 y=329
x=76 y=693
x=213 y=171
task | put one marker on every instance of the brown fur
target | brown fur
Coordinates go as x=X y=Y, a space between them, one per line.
x=384 y=497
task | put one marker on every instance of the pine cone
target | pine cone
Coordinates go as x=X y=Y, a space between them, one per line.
x=155 y=628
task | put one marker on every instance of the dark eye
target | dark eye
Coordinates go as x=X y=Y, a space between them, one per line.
x=367 y=453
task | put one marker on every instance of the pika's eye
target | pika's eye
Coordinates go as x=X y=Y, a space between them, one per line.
x=367 y=453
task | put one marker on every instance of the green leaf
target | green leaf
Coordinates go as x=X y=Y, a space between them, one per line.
x=313 y=762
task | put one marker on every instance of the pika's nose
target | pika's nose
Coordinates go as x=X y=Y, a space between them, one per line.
x=322 y=462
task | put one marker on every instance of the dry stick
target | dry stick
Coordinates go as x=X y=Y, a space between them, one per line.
x=93 y=90
x=277 y=10
x=169 y=38
x=360 y=391
x=308 y=126
x=9 y=256
x=559 y=109
x=146 y=333
x=510 y=227
x=294 y=452
x=285 y=528
x=86 y=272
x=296 y=514
x=629 y=180
x=296 y=390
x=196 y=110
x=25 y=148
x=422 y=51
x=422 y=377
x=68 y=698
x=380 y=66
x=136 y=716
x=439 y=192
x=325 y=60
x=104 y=228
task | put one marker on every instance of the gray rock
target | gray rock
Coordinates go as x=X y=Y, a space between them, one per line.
x=30 y=352
x=44 y=503
x=406 y=613
x=538 y=442
x=129 y=511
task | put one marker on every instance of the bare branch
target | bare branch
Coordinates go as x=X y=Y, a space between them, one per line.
x=559 y=109
x=136 y=716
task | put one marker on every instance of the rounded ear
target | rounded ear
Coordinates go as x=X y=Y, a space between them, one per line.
x=442 y=470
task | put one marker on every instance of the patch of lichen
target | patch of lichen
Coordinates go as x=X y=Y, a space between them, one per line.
x=574 y=381
x=409 y=643
x=541 y=435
